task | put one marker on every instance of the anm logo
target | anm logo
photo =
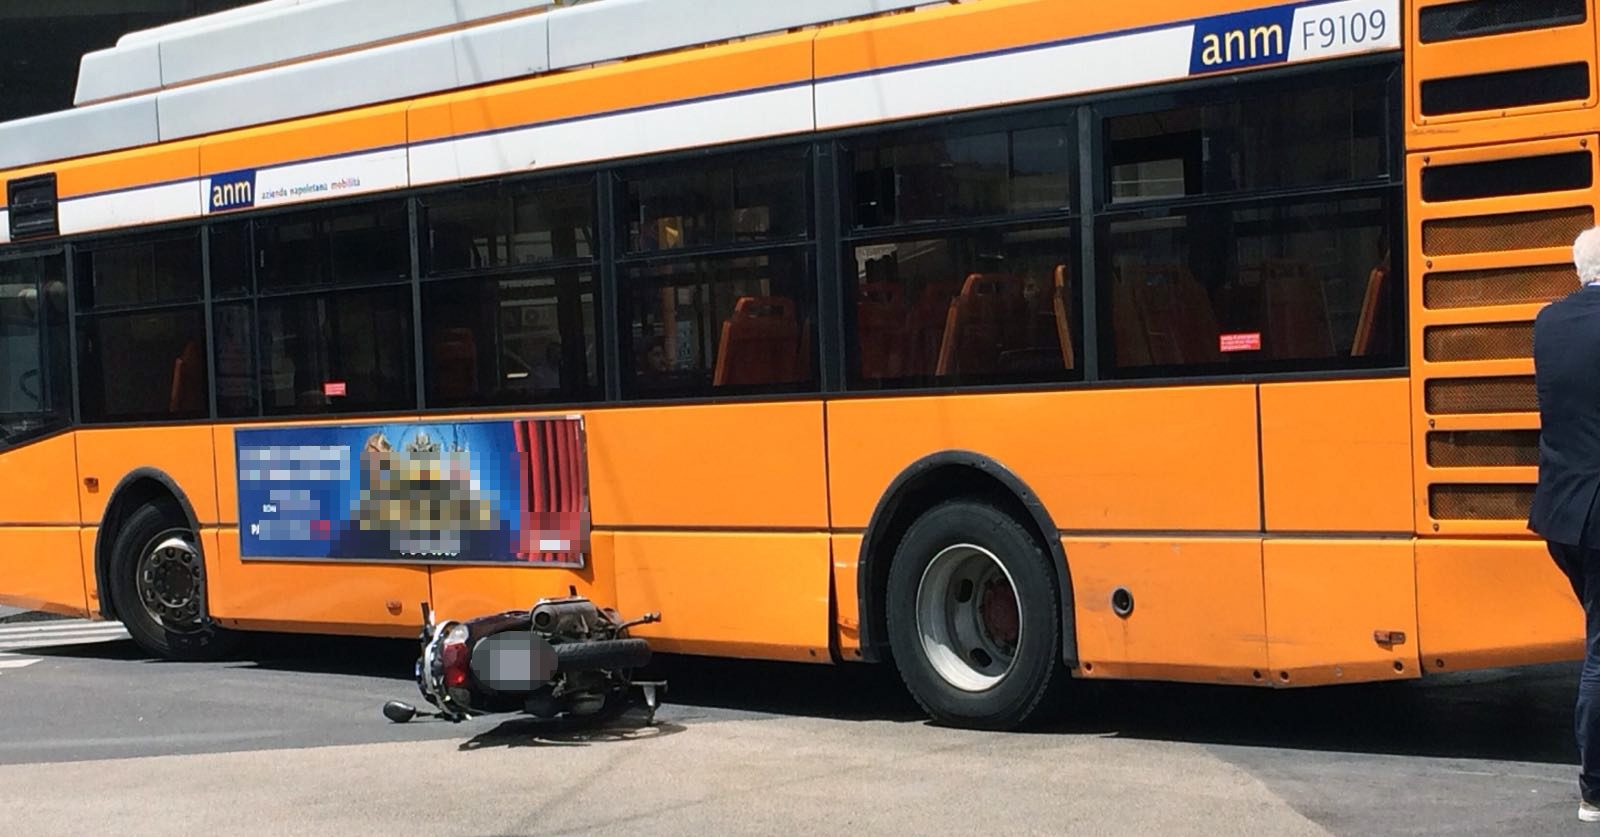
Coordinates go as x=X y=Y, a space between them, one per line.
x=234 y=190
x=1247 y=39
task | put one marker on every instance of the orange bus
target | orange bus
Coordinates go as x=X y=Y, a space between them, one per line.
x=1011 y=341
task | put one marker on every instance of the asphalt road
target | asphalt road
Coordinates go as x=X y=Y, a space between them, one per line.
x=94 y=737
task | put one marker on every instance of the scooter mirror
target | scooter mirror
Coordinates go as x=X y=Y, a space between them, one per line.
x=399 y=711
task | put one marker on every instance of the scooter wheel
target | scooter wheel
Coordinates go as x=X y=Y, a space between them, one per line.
x=399 y=712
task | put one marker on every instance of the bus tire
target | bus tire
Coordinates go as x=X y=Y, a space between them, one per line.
x=974 y=618
x=158 y=583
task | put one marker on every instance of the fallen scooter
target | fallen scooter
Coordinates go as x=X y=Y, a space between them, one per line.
x=562 y=659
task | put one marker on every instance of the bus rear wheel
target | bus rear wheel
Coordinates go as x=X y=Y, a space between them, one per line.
x=159 y=586
x=973 y=618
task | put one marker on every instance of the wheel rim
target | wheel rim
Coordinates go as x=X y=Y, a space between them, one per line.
x=171 y=582
x=969 y=617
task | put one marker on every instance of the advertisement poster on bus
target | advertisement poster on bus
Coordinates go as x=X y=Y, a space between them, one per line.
x=481 y=493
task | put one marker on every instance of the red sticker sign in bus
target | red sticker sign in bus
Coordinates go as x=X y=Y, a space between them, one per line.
x=1246 y=342
x=335 y=389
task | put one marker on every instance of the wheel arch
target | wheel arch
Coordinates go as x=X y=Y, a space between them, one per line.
x=138 y=488
x=920 y=486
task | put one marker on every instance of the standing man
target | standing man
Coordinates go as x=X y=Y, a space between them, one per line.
x=1566 y=355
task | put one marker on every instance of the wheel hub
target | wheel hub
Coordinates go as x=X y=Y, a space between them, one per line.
x=170 y=582
x=968 y=617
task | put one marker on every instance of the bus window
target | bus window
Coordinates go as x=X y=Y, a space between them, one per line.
x=1274 y=271
x=929 y=178
x=720 y=323
x=989 y=306
x=34 y=378
x=141 y=330
x=501 y=226
x=344 y=351
x=510 y=340
x=736 y=201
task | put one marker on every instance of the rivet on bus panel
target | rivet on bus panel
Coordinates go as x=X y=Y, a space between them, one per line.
x=393 y=606
x=91 y=483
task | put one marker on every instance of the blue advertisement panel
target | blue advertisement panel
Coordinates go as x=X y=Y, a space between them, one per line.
x=487 y=492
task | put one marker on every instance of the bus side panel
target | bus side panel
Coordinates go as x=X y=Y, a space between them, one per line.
x=468 y=592
x=87 y=536
x=42 y=569
x=183 y=453
x=1336 y=456
x=1326 y=602
x=38 y=482
x=1486 y=604
x=1198 y=613
x=736 y=465
x=315 y=598
x=847 y=596
x=752 y=595
x=1136 y=459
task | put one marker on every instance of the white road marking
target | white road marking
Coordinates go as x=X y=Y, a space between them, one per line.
x=65 y=632
x=10 y=663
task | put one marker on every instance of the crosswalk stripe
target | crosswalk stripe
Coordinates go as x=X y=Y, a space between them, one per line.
x=56 y=627
x=51 y=634
x=102 y=628
x=8 y=663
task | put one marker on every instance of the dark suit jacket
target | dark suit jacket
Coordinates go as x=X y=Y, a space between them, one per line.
x=1566 y=354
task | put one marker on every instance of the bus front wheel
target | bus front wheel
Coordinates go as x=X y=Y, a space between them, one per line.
x=973 y=618
x=159 y=587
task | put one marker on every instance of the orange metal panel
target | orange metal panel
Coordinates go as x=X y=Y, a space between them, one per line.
x=315 y=598
x=124 y=169
x=466 y=592
x=760 y=596
x=744 y=465
x=39 y=482
x=747 y=65
x=1137 y=459
x=182 y=453
x=1484 y=604
x=1512 y=51
x=1198 y=613
x=41 y=568
x=1336 y=456
x=87 y=537
x=847 y=596
x=303 y=139
x=967 y=29
x=1326 y=600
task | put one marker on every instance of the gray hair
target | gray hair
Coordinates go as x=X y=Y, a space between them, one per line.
x=1586 y=255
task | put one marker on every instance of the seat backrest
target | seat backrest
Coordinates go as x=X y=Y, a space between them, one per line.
x=983 y=322
x=1296 y=311
x=926 y=322
x=760 y=343
x=880 y=330
x=1373 y=328
x=1163 y=316
x=1061 y=301
x=455 y=363
x=188 y=393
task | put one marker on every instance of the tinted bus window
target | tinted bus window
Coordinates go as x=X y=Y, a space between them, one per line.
x=502 y=341
x=366 y=244
x=35 y=381
x=153 y=272
x=737 y=201
x=346 y=351
x=941 y=178
x=494 y=226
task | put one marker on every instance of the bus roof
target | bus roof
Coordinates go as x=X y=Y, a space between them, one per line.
x=284 y=59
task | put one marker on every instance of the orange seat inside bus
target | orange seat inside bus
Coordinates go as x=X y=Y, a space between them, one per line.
x=761 y=343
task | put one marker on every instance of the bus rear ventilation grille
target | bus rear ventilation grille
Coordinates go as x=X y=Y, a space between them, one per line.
x=1568 y=172
x=1501 y=233
x=1506 y=89
x=1483 y=18
x=1494 y=341
x=1483 y=449
x=1465 y=396
x=1480 y=502
x=1505 y=286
